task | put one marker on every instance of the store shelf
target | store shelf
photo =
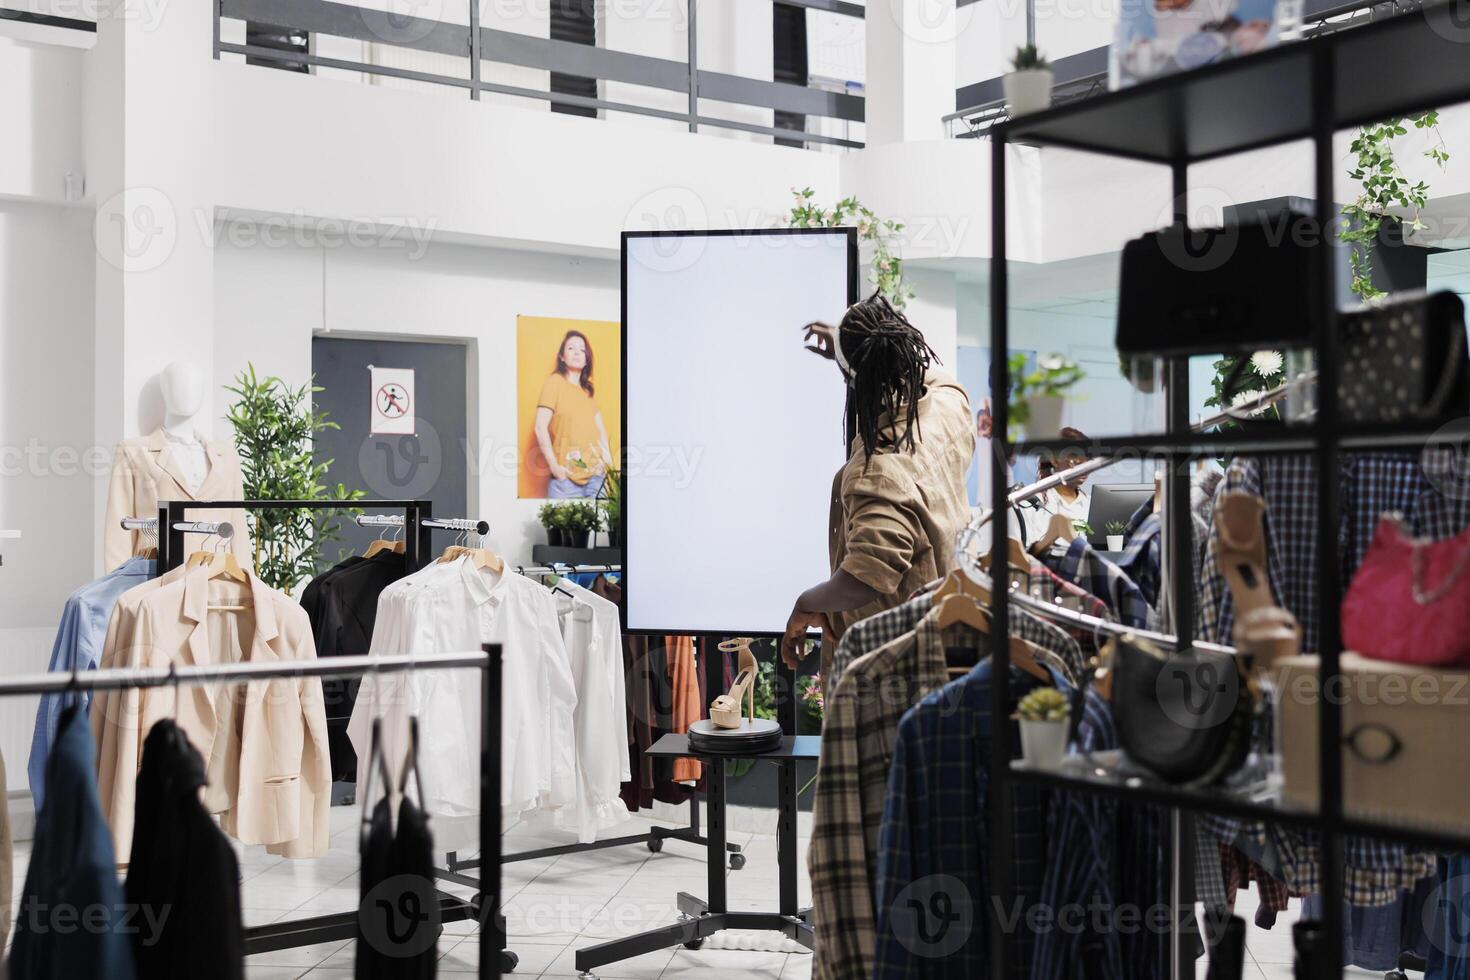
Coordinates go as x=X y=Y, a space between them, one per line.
x=1286 y=439
x=1265 y=99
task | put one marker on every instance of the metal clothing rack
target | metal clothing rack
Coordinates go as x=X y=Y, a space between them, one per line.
x=326 y=928
x=1307 y=90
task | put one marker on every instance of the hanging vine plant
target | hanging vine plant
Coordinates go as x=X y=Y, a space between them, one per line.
x=1385 y=186
x=887 y=270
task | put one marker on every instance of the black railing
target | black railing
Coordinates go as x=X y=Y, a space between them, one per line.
x=482 y=44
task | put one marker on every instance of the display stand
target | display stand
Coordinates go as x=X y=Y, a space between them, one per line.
x=702 y=918
x=1308 y=90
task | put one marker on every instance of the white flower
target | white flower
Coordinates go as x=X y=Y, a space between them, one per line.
x=1267 y=362
x=1248 y=396
x=1051 y=362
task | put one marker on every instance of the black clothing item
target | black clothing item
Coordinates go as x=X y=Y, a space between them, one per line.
x=344 y=608
x=398 y=911
x=184 y=866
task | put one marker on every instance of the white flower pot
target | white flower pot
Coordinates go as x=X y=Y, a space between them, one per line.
x=1115 y=542
x=1027 y=91
x=1043 y=743
x=1045 y=416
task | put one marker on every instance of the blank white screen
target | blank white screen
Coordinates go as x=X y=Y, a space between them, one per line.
x=734 y=432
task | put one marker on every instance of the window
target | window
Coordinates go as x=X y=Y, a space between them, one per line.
x=574 y=21
x=788 y=37
x=260 y=35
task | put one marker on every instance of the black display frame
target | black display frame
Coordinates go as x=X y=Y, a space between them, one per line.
x=630 y=566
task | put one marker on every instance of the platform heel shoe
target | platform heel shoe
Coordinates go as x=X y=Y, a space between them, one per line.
x=732 y=729
x=724 y=711
x=1227 y=951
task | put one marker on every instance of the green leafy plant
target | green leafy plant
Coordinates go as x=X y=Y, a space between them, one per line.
x=1083 y=529
x=275 y=426
x=1044 y=704
x=886 y=274
x=1115 y=527
x=1027 y=58
x=1263 y=370
x=611 y=496
x=1385 y=186
x=550 y=516
x=583 y=516
x=1054 y=375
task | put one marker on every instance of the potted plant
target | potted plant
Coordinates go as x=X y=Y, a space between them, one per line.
x=1044 y=714
x=551 y=518
x=1082 y=529
x=583 y=520
x=1028 y=87
x=1037 y=396
x=1115 y=535
x=612 y=507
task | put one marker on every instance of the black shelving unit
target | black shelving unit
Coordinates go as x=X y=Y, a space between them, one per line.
x=1303 y=91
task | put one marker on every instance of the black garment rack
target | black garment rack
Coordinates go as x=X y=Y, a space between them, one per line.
x=318 y=929
x=1303 y=90
x=325 y=928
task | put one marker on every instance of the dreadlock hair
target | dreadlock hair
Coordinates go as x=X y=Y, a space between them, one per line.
x=887 y=359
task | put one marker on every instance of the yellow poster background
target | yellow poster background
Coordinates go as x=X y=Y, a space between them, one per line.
x=538 y=339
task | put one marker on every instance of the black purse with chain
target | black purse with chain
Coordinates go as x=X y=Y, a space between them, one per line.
x=1404 y=361
x=1186 y=716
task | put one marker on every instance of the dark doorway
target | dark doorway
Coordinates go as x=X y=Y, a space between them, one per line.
x=431 y=464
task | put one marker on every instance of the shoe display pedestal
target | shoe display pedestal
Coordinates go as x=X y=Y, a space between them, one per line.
x=702 y=918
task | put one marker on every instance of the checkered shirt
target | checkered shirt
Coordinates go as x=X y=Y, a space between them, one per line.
x=1087 y=568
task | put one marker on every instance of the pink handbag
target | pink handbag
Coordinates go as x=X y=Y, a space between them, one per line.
x=1410 y=600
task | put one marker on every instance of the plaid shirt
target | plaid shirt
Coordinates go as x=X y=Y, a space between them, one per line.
x=1084 y=566
x=1372 y=484
x=1141 y=556
x=858 y=730
x=865 y=636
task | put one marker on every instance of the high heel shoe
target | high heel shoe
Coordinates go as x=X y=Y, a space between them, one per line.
x=724 y=711
x=1262 y=627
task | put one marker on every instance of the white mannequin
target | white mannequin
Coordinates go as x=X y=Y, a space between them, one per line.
x=182 y=385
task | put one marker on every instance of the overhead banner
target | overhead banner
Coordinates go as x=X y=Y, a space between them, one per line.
x=392 y=409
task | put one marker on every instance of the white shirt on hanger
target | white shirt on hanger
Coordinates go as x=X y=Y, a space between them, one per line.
x=454 y=607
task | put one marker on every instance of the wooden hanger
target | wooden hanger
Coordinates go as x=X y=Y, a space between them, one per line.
x=1016 y=558
x=961 y=608
x=481 y=557
x=221 y=564
x=382 y=545
x=151 y=551
x=1059 y=528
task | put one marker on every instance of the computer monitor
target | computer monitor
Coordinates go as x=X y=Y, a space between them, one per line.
x=1114 y=502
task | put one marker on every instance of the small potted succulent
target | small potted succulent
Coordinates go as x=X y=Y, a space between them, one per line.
x=1044 y=714
x=1037 y=397
x=1028 y=87
x=584 y=519
x=1115 y=535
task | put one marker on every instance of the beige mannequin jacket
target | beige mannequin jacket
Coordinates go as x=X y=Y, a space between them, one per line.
x=265 y=742
x=144 y=472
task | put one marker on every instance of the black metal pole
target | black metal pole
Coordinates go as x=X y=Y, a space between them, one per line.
x=693 y=30
x=1329 y=592
x=786 y=871
x=492 y=927
x=1001 y=854
x=475 y=50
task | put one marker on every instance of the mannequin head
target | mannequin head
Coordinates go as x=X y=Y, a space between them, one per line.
x=182 y=386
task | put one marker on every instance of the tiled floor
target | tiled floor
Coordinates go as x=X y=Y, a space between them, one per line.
x=556 y=905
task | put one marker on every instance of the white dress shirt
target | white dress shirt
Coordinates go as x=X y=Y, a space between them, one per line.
x=454 y=607
x=191 y=458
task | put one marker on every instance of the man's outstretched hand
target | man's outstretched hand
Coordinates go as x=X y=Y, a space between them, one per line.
x=821 y=339
x=793 y=643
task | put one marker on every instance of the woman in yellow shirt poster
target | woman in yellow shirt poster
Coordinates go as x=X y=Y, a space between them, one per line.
x=569 y=428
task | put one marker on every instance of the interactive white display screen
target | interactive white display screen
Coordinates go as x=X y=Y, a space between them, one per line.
x=733 y=430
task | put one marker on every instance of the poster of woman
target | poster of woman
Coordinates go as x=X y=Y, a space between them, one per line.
x=570 y=395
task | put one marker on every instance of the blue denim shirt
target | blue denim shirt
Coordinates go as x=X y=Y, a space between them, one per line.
x=78 y=644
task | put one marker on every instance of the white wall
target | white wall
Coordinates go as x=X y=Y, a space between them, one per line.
x=47 y=454
x=41 y=117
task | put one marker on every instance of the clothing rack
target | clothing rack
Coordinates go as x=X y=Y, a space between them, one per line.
x=149 y=525
x=338 y=926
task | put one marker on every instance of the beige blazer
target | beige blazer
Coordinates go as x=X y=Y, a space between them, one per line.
x=144 y=472
x=265 y=742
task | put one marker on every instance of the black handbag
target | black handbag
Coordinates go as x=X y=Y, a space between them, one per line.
x=1186 y=716
x=1244 y=287
x=1404 y=360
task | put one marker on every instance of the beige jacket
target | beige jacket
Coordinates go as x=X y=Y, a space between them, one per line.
x=265 y=742
x=144 y=473
x=895 y=517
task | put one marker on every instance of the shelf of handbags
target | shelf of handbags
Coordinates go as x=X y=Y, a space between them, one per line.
x=1348 y=778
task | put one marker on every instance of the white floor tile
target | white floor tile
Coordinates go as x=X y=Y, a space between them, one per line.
x=699 y=964
x=647 y=967
x=302 y=956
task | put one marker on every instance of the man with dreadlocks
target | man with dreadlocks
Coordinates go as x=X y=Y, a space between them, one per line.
x=900 y=501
